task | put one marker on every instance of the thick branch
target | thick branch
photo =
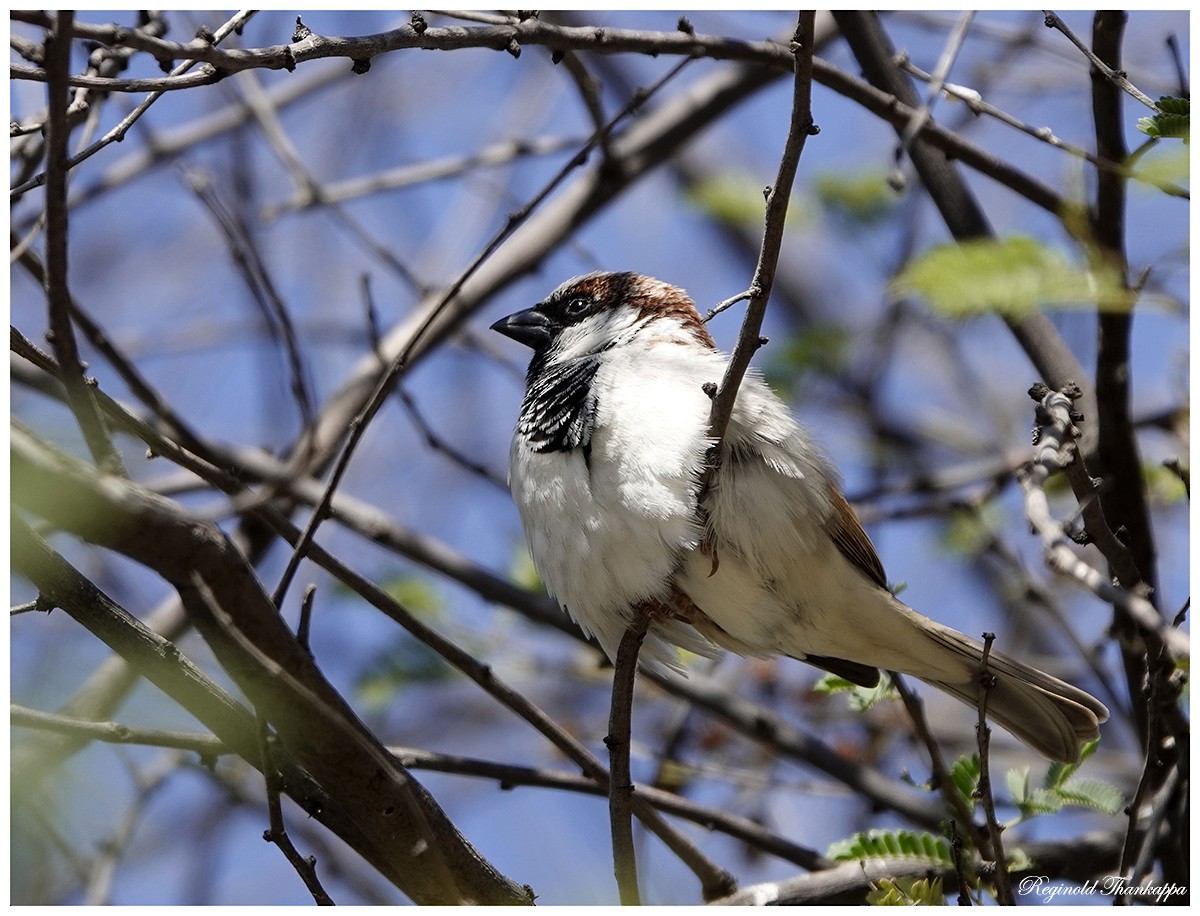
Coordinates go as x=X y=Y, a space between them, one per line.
x=414 y=844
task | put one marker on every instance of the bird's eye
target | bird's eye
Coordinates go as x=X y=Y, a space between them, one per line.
x=577 y=307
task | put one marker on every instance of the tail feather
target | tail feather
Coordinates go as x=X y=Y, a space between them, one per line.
x=1050 y=715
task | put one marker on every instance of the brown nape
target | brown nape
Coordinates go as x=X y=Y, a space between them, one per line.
x=650 y=296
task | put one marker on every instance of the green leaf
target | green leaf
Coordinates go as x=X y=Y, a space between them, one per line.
x=862 y=198
x=1030 y=801
x=1013 y=276
x=1017 y=859
x=861 y=698
x=907 y=892
x=1059 y=773
x=1173 y=120
x=964 y=773
x=893 y=844
x=1092 y=793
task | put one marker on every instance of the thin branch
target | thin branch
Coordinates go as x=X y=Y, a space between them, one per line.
x=975 y=102
x=801 y=127
x=1057 y=449
x=234 y=24
x=252 y=268
x=209 y=746
x=58 y=294
x=306 y=607
x=405 y=176
x=620 y=781
x=508 y=776
x=983 y=733
x=1078 y=859
x=435 y=442
x=306 y=867
x=941 y=773
x=922 y=114
x=1116 y=77
x=960 y=868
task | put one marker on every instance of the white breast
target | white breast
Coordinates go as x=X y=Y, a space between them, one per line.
x=608 y=532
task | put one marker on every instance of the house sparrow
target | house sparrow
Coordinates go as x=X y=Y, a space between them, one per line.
x=604 y=468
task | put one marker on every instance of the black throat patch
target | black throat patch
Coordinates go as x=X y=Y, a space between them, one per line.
x=559 y=410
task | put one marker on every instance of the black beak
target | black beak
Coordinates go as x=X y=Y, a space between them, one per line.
x=530 y=327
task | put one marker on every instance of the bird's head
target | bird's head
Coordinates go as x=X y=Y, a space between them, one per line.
x=598 y=311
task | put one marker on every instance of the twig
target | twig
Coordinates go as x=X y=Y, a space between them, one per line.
x=748 y=342
x=509 y=776
x=1004 y=894
x=1116 y=77
x=58 y=294
x=248 y=261
x=975 y=102
x=235 y=23
x=922 y=114
x=496 y=154
x=941 y=774
x=620 y=781
x=1078 y=859
x=732 y=300
x=1180 y=67
x=209 y=747
x=435 y=442
x=1056 y=449
x=277 y=833
x=960 y=869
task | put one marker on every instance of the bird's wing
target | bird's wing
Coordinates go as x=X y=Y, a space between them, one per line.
x=847 y=533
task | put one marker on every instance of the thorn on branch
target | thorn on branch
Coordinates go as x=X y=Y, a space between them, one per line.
x=557 y=55
x=302 y=631
x=301 y=31
x=205 y=34
x=418 y=23
x=685 y=26
x=361 y=65
x=514 y=47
